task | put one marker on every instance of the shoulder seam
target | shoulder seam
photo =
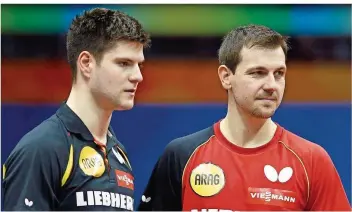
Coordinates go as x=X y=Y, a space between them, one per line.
x=303 y=165
x=189 y=158
x=67 y=172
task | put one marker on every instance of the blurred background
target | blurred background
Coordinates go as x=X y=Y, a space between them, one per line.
x=181 y=92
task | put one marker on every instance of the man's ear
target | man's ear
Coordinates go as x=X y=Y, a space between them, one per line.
x=85 y=64
x=224 y=75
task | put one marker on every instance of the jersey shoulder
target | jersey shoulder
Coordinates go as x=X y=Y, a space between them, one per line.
x=49 y=133
x=45 y=139
x=304 y=148
x=183 y=147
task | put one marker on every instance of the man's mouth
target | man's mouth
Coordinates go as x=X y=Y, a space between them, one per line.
x=131 y=90
x=267 y=98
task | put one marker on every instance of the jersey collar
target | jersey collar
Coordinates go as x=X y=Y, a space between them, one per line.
x=74 y=124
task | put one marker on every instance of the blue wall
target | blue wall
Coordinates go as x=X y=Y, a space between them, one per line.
x=146 y=130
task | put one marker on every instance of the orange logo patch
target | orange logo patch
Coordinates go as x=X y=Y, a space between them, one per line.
x=124 y=179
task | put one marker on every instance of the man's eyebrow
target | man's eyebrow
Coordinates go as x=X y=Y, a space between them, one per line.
x=127 y=59
x=262 y=68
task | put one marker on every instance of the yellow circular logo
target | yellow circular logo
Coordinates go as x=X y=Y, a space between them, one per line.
x=91 y=162
x=207 y=179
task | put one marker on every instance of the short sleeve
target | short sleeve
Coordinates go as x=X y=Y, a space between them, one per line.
x=327 y=192
x=34 y=171
x=163 y=191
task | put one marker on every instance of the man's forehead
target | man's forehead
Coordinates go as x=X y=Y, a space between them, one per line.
x=127 y=51
x=271 y=58
x=257 y=50
x=129 y=44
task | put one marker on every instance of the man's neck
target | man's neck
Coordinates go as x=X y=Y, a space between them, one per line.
x=96 y=119
x=245 y=130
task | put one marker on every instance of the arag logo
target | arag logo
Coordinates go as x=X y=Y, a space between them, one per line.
x=91 y=162
x=207 y=179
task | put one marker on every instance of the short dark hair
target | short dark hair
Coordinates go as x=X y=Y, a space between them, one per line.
x=248 y=36
x=98 y=30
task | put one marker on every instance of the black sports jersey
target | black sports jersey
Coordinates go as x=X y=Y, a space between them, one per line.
x=60 y=166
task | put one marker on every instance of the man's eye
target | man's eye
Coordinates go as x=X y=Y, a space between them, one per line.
x=258 y=73
x=279 y=73
x=123 y=64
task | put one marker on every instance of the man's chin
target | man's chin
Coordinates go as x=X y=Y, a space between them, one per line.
x=263 y=114
x=125 y=106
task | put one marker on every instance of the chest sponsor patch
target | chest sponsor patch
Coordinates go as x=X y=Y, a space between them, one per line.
x=102 y=198
x=207 y=179
x=124 y=179
x=268 y=196
x=91 y=162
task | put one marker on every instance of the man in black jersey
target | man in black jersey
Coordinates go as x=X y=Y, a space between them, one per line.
x=73 y=161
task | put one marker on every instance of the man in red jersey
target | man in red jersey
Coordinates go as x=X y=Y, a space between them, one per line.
x=246 y=161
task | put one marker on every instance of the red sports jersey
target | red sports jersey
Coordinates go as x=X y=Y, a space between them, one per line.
x=204 y=171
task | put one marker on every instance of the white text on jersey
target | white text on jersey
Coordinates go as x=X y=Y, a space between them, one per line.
x=104 y=198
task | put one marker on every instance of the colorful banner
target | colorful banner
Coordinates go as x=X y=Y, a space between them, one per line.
x=173 y=81
x=188 y=20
